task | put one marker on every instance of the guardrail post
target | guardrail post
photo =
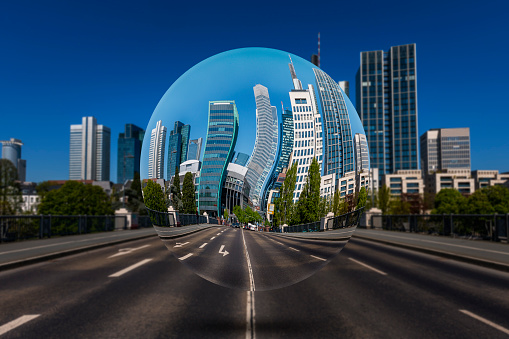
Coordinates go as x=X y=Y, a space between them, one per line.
x=41 y=227
x=452 y=223
x=49 y=227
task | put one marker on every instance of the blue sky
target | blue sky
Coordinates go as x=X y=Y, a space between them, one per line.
x=114 y=60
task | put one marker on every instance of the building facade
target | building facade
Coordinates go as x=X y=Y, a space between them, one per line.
x=264 y=152
x=11 y=150
x=89 y=157
x=386 y=93
x=156 y=152
x=129 y=152
x=194 y=149
x=236 y=189
x=222 y=131
x=178 y=143
x=405 y=182
x=241 y=158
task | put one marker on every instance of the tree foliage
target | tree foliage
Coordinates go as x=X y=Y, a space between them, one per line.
x=449 y=200
x=363 y=197
x=283 y=210
x=239 y=213
x=76 y=198
x=154 y=198
x=384 y=199
x=308 y=205
x=10 y=194
x=175 y=194
x=188 y=196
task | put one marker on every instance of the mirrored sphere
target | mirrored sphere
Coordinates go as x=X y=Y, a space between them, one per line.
x=255 y=169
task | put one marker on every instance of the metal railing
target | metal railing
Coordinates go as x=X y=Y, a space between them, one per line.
x=168 y=219
x=494 y=227
x=21 y=227
x=350 y=219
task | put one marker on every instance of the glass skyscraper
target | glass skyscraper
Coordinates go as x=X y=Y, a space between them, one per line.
x=338 y=140
x=387 y=104
x=156 y=152
x=89 y=157
x=129 y=151
x=178 y=143
x=194 y=149
x=241 y=158
x=222 y=131
x=265 y=148
x=11 y=150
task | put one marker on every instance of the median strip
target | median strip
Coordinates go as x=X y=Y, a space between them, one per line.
x=486 y=321
x=17 y=322
x=130 y=268
x=367 y=266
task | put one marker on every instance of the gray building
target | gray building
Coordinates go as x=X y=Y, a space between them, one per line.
x=236 y=189
x=11 y=150
x=386 y=95
x=89 y=156
x=194 y=149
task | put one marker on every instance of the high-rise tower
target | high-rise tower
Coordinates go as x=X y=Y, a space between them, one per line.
x=11 y=150
x=129 y=150
x=194 y=149
x=89 y=157
x=156 y=152
x=386 y=92
x=178 y=144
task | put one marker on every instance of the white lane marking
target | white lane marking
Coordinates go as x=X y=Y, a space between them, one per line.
x=441 y=243
x=367 y=266
x=212 y=238
x=186 y=256
x=314 y=256
x=124 y=251
x=486 y=321
x=224 y=253
x=180 y=244
x=250 y=269
x=280 y=243
x=219 y=233
x=17 y=322
x=130 y=268
x=204 y=244
x=294 y=249
x=250 y=316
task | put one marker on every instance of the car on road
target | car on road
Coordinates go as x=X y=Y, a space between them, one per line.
x=251 y=227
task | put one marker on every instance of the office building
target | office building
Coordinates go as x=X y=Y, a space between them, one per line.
x=235 y=191
x=222 y=131
x=178 y=143
x=459 y=179
x=129 y=152
x=361 y=153
x=156 y=152
x=241 y=159
x=89 y=157
x=404 y=182
x=194 y=149
x=445 y=148
x=338 y=153
x=386 y=93
x=264 y=152
x=345 y=86
x=11 y=150
x=484 y=178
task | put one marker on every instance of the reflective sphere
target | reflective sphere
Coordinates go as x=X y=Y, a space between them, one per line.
x=240 y=163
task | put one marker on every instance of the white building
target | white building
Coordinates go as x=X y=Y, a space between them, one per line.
x=156 y=152
x=404 y=182
x=89 y=157
x=485 y=178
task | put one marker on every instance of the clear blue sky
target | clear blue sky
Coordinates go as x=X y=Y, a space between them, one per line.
x=61 y=60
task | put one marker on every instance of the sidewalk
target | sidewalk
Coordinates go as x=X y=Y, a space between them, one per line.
x=21 y=253
x=484 y=253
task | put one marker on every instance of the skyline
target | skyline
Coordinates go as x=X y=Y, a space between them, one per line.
x=116 y=62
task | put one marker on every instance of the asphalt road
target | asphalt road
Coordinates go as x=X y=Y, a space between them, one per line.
x=251 y=261
x=139 y=290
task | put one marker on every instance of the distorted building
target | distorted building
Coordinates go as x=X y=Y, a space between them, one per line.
x=129 y=152
x=156 y=152
x=194 y=149
x=11 y=150
x=178 y=143
x=235 y=189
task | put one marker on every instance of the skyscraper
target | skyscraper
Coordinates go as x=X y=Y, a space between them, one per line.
x=264 y=151
x=156 y=152
x=241 y=159
x=361 y=153
x=445 y=148
x=387 y=105
x=11 y=150
x=222 y=131
x=178 y=143
x=89 y=157
x=338 y=140
x=129 y=150
x=194 y=149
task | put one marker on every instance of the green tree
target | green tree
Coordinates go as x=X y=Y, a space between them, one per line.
x=478 y=203
x=384 y=199
x=10 y=193
x=240 y=214
x=363 y=197
x=188 y=194
x=226 y=215
x=76 y=198
x=399 y=206
x=449 y=200
x=176 y=195
x=336 y=203
x=498 y=197
x=154 y=198
x=284 y=204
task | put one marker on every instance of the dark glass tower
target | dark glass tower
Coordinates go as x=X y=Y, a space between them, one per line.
x=178 y=144
x=387 y=105
x=129 y=151
x=223 y=126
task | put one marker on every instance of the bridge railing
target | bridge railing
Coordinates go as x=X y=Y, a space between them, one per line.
x=174 y=219
x=350 y=219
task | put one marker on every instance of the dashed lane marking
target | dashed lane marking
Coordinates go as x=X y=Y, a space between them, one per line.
x=204 y=244
x=293 y=249
x=314 y=256
x=130 y=268
x=367 y=266
x=486 y=321
x=212 y=238
x=17 y=322
x=186 y=256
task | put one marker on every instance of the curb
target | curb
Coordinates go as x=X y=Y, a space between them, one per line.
x=34 y=260
x=471 y=260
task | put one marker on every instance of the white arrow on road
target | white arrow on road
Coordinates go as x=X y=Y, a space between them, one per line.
x=124 y=251
x=223 y=252
x=180 y=245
